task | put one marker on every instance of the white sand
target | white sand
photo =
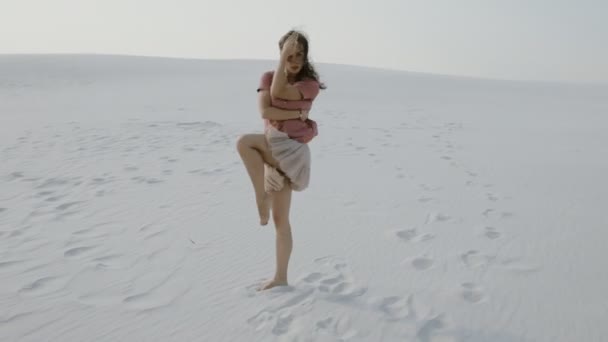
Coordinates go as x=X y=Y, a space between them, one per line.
x=440 y=208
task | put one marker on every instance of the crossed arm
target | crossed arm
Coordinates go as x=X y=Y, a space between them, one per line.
x=273 y=113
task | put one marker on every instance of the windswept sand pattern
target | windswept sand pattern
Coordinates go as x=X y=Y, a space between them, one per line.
x=70 y=230
x=140 y=267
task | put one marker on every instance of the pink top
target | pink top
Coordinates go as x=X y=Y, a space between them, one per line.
x=302 y=131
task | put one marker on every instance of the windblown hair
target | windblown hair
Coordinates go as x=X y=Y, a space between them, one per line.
x=308 y=70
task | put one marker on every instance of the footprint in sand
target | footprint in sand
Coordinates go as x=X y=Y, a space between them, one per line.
x=347 y=290
x=406 y=234
x=491 y=233
x=421 y=263
x=339 y=288
x=472 y=293
x=282 y=324
x=337 y=283
x=331 y=261
x=430 y=328
x=474 y=259
x=281 y=314
x=436 y=217
x=339 y=327
x=396 y=308
x=261 y=320
x=427 y=326
x=412 y=235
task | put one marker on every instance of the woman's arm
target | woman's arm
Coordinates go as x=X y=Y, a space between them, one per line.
x=273 y=113
x=279 y=87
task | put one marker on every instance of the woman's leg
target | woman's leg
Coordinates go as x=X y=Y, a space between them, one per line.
x=254 y=152
x=281 y=203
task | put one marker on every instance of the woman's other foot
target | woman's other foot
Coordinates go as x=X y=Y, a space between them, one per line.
x=273 y=283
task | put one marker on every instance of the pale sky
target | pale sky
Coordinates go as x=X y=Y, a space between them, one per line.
x=554 y=40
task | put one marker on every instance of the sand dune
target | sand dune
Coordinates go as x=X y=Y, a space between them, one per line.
x=440 y=208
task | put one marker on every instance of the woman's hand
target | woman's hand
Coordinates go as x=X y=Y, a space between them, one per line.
x=290 y=47
x=304 y=115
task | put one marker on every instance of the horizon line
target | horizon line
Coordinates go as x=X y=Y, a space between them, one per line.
x=359 y=66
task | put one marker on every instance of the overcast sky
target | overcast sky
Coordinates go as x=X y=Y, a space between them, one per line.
x=509 y=39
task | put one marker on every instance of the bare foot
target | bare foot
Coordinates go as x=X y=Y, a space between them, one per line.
x=264 y=209
x=272 y=284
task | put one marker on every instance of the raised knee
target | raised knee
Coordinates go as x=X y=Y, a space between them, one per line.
x=242 y=142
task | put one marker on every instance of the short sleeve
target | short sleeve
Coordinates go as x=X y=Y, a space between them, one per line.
x=308 y=88
x=265 y=81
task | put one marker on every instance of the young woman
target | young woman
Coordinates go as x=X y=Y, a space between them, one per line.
x=278 y=161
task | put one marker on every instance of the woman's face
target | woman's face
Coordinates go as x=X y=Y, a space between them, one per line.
x=295 y=61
